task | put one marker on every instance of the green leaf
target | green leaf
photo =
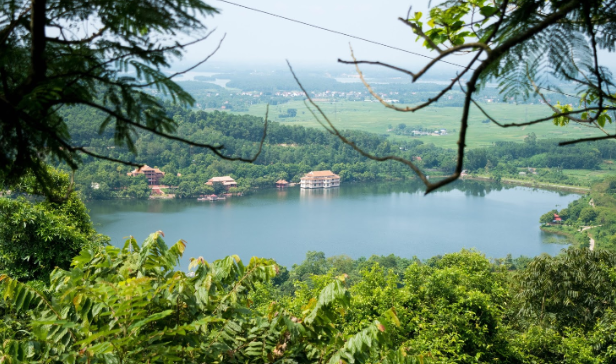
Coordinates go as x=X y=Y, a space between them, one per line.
x=332 y=293
x=487 y=11
x=601 y=120
x=153 y=317
x=130 y=243
x=101 y=348
x=93 y=337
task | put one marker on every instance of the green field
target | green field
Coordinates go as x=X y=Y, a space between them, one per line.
x=588 y=177
x=374 y=117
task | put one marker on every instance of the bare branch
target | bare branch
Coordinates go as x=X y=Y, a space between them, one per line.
x=536 y=121
x=98 y=156
x=215 y=149
x=254 y=158
x=435 y=60
x=592 y=120
x=377 y=63
x=80 y=41
x=193 y=66
x=593 y=42
x=417 y=30
x=329 y=126
x=587 y=139
x=491 y=57
x=588 y=83
x=471 y=87
x=6 y=31
x=408 y=108
x=88 y=72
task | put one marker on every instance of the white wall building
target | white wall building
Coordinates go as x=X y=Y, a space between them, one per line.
x=320 y=179
x=227 y=181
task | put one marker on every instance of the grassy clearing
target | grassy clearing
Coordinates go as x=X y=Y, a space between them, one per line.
x=588 y=177
x=373 y=117
x=579 y=186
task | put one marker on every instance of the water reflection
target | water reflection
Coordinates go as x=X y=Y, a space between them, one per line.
x=551 y=238
x=470 y=188
x=322 y=193
x=281 y=193
x=354 y=219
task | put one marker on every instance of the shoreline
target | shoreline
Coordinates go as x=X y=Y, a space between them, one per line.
x=571 y=236
x=542 y=185
x=290 y=212
x=506 y=181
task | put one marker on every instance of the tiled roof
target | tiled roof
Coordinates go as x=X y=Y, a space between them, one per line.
x=147 y=168
x=221 y=179
x=320 y=174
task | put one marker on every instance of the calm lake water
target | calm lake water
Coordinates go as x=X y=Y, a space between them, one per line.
x=355 y=219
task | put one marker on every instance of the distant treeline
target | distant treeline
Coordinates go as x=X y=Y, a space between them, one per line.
x=402 y=90
x=290 y=152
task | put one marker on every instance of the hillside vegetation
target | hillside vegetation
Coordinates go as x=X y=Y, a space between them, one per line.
x=290 y=151
x=129 y=305
x=591 y=216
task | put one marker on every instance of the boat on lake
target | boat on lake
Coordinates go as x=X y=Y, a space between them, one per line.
x=210 y=198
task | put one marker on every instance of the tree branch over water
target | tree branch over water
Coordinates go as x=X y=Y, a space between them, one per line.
x=511 y=45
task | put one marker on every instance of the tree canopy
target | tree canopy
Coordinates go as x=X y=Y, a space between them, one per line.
x=49 y=59
x=37 y=235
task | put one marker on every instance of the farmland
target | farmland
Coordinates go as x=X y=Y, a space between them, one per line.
x=374 y=117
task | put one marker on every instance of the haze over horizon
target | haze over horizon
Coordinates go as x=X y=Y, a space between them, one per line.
x=257 y=39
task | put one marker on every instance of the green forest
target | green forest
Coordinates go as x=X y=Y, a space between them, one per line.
x=291 y=151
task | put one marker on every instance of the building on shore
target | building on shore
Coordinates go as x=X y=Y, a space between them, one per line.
x=154 y=175
x=320 y=179
x=226 y=181
x=282 y=183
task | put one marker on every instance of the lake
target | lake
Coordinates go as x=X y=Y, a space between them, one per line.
x=355 y=219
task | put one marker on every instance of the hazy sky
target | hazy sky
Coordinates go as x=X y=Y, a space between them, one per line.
x=255 y=38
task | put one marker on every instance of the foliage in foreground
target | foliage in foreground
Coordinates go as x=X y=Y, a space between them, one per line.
x=38 y=235
x=129 y=305
x=43 y=70
x=460 y=308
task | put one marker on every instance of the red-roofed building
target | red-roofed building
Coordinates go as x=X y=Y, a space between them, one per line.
x=557 y=219
x=153 y=175
x=282 y=183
